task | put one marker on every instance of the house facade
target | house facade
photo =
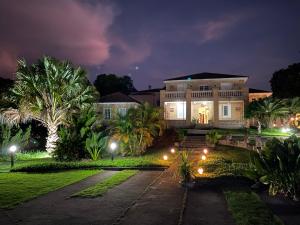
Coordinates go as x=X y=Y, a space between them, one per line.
x=109 y=106
x=205 y=100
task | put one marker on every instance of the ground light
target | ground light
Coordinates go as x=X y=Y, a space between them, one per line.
x=200 y=170
x=203 y=157
x=12 y=149
x=165 y=157
x=285 y=130
x=172 y=150
x=205 y=151
x=113 y=146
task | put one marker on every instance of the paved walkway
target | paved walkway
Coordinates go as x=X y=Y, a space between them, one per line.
x=287 y=210
x=148 y=198
x=161 y=204
x=57 y=208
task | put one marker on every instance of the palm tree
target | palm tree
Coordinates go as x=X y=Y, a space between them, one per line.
x=266 y=110
x=149 y=124
x=49 y=92
x=294 y=108
x=136 y=130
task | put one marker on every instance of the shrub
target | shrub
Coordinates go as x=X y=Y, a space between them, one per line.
x=95 y=145
x=71 y=144
x=278 y=166
x=212 y=137
x=185 y=167
x=9 y=135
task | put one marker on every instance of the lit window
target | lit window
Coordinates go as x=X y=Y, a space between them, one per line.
x=107 y=113
x=225 y=111
x=122 y=111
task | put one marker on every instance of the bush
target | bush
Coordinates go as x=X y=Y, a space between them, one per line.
x=13 y=135
x=185 y=167
x=71 y=144
x=278 y=166
x=95 y=145
x=212 y=137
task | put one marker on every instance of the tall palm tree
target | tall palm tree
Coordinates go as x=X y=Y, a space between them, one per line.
x=49 y=92
x=149 y=124
x=266 y=110
x=136 y=130
x=294 y=108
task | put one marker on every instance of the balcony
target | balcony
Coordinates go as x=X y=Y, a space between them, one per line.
x=230 y=93
x=201 y=94
x=181 y=95
x=175 y=94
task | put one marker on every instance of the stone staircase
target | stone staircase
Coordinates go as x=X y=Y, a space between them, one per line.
x=193 y=142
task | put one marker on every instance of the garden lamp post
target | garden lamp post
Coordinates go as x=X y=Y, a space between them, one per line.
x=12 y=149
x=113 y=146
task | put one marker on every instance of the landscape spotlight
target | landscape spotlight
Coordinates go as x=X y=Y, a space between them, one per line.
x=203 y=157
x=12 y=149
x=165 y=157
x=172 y=150
x=205 y=151
x=200 y=171
x=113 y=146
x=285 y=130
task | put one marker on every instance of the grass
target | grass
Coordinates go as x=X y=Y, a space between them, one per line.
x=32 y=155
x=248 y=209
x=21 y=187
x=148 y=160
x=223 y=161
x=274 y=132
x=102 y=187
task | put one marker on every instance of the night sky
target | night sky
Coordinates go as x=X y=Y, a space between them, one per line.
x=153 y=40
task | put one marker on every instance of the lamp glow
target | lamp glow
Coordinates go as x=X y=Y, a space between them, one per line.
x=113 y=146
x=200 y=170
x=203 y=157
x=12 y=149
x=205 y=151
x=165 y=157
x=172 y=150
x=285 y=130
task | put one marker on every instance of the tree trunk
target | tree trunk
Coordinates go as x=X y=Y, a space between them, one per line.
x=259 y=127
x=52 y=138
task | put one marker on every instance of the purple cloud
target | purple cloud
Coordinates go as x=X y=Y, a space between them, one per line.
x=71 y=30
x=215 y=29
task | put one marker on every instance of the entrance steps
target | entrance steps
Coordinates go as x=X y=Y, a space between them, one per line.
x=193 y=142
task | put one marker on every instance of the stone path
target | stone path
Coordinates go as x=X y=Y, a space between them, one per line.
x=161 y=204
x=206 y=206
x=287 y=211
x=148 y=198
x=57 y=208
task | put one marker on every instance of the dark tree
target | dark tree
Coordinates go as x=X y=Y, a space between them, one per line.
x=285 y=83
x=110 y=83
x=5 y=84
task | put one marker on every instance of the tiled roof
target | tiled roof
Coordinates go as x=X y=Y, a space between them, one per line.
x=253 y=90
x=206 y=76
x=116 y=97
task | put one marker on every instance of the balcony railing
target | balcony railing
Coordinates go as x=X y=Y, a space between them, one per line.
x=175 y=94
x=230 y=93
x=202 y=94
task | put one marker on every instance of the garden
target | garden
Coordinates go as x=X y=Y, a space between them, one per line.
x=51 y=137
x=49 y=124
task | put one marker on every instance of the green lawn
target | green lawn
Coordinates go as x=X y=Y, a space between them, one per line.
x=274 y=132
x=102 y=187
x=223 y=161
x=248 y=209
x=44 y=165
x=21 y=187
